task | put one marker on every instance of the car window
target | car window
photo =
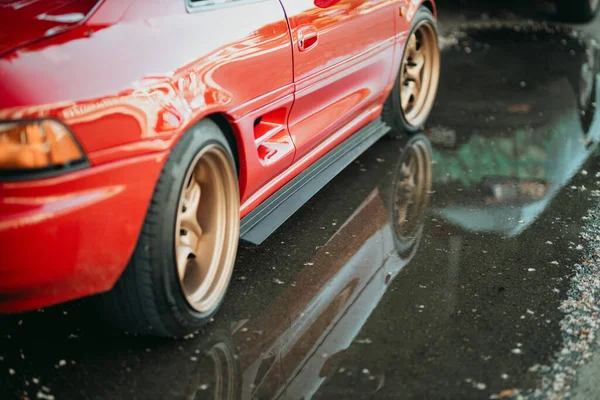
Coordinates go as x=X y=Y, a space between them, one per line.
x=213 y=2
x=202 y=5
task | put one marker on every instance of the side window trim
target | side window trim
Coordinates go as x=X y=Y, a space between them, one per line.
x=207 y=5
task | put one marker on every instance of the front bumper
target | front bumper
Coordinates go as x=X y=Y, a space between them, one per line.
x=71 y=236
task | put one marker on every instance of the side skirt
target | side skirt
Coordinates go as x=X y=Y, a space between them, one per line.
x=274 y=211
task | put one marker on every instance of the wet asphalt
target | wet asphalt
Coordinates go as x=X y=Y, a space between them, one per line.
x=432 y=268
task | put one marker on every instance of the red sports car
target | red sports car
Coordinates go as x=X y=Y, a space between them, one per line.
x=141 y=139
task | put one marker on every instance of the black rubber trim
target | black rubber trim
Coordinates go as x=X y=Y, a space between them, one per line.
x=269 y=215
x=11 y=175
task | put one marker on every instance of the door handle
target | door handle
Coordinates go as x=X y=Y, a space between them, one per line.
x=403 y=8
x=308 y=36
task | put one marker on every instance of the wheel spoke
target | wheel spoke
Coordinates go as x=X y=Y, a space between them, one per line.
x=189 y=239
x=408 y=94
x=405 y=170
x=405 y=97
x=202 y=173
x=206 y=265
x=182 y=255
x=414 y=69
x=190 y=231
x=189 y=225
x=192 y=194
x=412 y=185
x=416 y=91
x=412 y=45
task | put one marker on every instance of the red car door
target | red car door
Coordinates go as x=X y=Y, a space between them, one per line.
x=343 y=54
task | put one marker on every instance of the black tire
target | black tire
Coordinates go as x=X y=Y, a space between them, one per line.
x=148 y=298
x=577 y=10
x=392 y=112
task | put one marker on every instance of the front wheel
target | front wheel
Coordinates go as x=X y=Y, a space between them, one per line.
x=577 y=10
x=181 y=267
x=411 y=100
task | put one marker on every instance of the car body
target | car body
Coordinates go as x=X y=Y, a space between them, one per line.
x=128 y=78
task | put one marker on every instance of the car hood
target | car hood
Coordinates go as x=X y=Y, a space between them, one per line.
x=25 y=21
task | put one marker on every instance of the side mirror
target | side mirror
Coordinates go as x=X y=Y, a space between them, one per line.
x=325 y=3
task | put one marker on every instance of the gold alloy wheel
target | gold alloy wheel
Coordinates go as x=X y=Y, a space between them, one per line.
x=207 y=228
x=411 y=198
x=420 y=74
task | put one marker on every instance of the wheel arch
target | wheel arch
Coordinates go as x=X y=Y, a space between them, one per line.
x=231 y=134
x=430 y=5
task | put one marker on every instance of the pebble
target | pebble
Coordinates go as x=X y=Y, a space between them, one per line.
x=45 y=396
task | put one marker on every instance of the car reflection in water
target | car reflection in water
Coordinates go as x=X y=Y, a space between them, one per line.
x=497 y=178
x=327 y=305
x=504 y=171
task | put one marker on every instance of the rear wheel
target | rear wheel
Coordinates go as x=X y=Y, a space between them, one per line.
x=179 y=272
x=578 y=10
x=410 y=103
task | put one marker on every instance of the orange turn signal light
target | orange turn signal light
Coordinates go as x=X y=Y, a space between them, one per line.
x=35 y=145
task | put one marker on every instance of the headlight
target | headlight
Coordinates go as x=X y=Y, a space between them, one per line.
x=37 y=147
